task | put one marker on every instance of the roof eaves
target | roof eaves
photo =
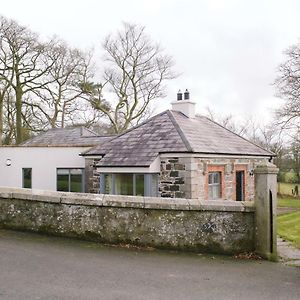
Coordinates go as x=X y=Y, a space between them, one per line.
x=122 y=166
x=219 y=153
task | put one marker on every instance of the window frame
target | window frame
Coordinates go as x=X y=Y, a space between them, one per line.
x=82 y=190
x=215 y=184
x=150 y=183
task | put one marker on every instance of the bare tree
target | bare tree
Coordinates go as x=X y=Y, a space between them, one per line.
x=58 y=101
x=135 y=73
x=288 y=88
x=23 y=64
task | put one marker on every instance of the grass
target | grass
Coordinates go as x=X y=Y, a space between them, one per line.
x=286 y=188
x=288 y=202
x=289 y=227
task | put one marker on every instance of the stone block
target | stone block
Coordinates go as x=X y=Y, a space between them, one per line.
x=123 y=201
x=174 y=188
x=179 y=180
x=179 y=167
x=82 y=199
x=174 y=174
x=166 y=203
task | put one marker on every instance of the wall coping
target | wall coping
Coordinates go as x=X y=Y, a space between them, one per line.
x=87 y=199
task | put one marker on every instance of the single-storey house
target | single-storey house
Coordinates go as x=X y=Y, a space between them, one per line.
x=49 y=161
x=177 y=154
x=173 y=154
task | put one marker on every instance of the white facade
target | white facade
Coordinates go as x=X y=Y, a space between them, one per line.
x=44 y=162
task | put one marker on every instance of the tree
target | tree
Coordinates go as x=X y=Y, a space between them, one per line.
x=135 y=73
x=59 y=99
x=22 y=64
x=288 y=88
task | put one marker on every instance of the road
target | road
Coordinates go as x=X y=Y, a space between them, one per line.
x=40 y=267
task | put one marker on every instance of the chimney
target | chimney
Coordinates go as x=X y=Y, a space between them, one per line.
x=179 y=96
x=186 y=106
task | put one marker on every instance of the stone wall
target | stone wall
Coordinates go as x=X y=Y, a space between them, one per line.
x=187 y=177
x=182 y=224
x=92 y=176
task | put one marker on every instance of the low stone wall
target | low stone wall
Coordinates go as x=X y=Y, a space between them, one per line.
x=212 y=226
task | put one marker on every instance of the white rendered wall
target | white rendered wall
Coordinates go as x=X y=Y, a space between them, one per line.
x=43 y=160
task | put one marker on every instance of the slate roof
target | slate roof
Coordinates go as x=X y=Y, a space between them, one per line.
x=171 y=132
x=70 y=136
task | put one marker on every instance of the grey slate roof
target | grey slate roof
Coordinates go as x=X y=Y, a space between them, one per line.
x=168 y=132
x=70 y=136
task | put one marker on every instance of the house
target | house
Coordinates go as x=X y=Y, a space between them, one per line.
x=173 y=154
x=177 y=154
x=49 y=161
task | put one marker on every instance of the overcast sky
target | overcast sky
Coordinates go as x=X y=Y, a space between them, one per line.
x=227 y=51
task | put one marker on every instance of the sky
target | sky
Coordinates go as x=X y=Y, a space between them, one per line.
x=226 y=51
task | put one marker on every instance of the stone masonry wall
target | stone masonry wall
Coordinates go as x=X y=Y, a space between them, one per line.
x=92 y=176
x=181 y=224
x=187 y=177
x=172 y=178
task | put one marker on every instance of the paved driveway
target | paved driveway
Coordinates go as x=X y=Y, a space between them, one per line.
x=40 y=267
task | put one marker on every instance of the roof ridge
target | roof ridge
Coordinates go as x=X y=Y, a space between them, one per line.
x=180 y=131
x=271 y=153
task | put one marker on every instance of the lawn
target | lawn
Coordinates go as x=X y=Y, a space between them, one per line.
x=288 y=225
x=288 y=202
x=286 y=188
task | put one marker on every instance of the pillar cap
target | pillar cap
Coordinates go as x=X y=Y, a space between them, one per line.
x=266 y=168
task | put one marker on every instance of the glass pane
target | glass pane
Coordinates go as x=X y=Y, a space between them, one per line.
x=216 y=177
x=108 y=183
x=124 y=184
x=76 y=180
x=210 y=178
x=214 y=185
x=139 y=184
x=63 y=172
x=27 y=178
x=154 y=185
x=62 y=182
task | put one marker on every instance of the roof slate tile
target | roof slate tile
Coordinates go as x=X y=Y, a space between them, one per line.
x=172 y=131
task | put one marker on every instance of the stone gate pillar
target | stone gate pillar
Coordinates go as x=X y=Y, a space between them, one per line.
x=266 y=206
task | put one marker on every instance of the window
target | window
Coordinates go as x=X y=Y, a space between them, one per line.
x=27 y=178
x=70 y=180
x=129 y=184
x=214 y=185
x=240 y=185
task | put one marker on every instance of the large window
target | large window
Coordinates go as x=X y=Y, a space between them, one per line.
x=27 y=178
x=129 y=184
x=70 y=180
x=214 y=185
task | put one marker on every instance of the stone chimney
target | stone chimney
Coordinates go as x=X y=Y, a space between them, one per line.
x=185 y=106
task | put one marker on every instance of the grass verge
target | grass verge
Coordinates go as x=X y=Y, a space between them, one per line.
x=287 y=188
x=288 y=202
x=288 y=227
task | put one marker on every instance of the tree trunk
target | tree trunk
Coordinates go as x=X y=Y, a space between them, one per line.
x=1 y=118
x=19 y=131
